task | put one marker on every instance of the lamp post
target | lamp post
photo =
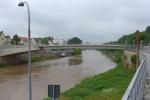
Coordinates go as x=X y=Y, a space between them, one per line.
x=21 y=4
x=137 y=48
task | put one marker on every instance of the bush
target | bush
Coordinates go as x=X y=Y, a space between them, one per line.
x=77 y=51
x=47 y=98
x=133 y=59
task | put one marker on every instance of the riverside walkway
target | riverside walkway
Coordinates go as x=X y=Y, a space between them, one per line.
x=147 y=83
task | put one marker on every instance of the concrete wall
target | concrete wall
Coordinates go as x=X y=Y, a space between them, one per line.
x=20 y=57
x=127 y=59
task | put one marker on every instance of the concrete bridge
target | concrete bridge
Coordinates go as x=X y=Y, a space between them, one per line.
x=21 y=49
x=4 y=51
x=81 y=46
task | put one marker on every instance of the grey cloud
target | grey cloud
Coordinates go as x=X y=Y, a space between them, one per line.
x=92 y=20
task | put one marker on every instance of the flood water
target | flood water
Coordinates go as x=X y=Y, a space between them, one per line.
x=64 y=71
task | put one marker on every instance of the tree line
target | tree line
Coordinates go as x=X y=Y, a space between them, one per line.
x=131 y=38
x=45 y=40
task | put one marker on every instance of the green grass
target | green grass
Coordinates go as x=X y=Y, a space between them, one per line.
x=77 y=51
x=107 y=86
x=110 y=85
x=2 y=65
x=42 y=58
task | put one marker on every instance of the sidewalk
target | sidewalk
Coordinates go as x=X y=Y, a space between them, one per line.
x=147 y=85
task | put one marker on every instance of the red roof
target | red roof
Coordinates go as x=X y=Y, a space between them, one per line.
x=24 y=39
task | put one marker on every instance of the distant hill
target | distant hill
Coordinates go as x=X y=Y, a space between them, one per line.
x=131 y=38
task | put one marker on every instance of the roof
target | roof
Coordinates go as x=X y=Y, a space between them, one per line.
x=24 y=39
x=1 y=32
x=8 y=37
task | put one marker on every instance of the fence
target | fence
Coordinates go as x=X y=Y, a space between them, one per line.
x=135 y=89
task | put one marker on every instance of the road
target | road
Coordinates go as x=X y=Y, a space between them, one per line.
x=147 y=84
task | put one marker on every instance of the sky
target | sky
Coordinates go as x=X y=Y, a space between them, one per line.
x=91 y=20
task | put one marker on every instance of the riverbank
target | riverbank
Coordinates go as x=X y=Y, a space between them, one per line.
x=37 y=58
x=107 y=86
x=34 y=59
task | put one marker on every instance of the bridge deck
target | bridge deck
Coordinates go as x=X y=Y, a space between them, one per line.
x=82 y=46
x=9 y=51
x=13 y=50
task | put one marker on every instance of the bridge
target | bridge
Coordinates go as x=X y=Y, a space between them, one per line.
x=4 y=51
x=81 y=46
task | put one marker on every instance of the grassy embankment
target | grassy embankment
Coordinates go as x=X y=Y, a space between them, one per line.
x=106 y=86
x=77 y=51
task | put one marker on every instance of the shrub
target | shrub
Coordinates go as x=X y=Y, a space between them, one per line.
x=133 y=59
x=77 y=51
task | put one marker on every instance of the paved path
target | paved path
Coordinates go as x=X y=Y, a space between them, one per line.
x=147 y=85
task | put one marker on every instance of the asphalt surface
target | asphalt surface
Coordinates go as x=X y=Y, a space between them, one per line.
x=147 y=84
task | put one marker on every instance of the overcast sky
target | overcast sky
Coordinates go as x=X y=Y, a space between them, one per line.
x=91 y=20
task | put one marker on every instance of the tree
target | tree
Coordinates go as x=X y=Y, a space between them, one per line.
x=75 y=40
x=15 y=40
x=45 y=40
x=147 y=29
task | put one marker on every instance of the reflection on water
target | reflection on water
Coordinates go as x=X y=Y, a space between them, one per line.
x=66 y=71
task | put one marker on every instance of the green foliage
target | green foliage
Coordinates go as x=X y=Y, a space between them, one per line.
x=45 y=40
x=107 y=86
x=77 y=51
x=47 y=98
x=75 y=40
x=131 y=38
x=16 y=40
x=133 y=59
x=147 y=29
x=116 y=55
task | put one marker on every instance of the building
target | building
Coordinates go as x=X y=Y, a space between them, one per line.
x=24 y=41
x=7 y=40
x=4 y=40
x=37 y=41
x=59 y=41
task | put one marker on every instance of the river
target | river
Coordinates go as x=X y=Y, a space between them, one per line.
x=63 y=71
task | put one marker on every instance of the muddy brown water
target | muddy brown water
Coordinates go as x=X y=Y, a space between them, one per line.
x=14 y=82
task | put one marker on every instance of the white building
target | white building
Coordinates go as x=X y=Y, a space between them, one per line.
x=59 y=41
x=7 y=40
x=4 y=40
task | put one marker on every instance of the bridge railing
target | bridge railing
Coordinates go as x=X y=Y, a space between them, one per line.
x=16 y=46
x=135 y=89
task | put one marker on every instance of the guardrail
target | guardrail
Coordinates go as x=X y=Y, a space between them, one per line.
x=135 y=89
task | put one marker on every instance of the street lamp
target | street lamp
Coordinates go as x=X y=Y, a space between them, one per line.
x=21 y=4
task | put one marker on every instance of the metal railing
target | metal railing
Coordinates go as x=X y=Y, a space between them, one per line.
x=135 y=89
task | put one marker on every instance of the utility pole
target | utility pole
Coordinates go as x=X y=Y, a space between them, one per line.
x=21 y=4
x=137 y=48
